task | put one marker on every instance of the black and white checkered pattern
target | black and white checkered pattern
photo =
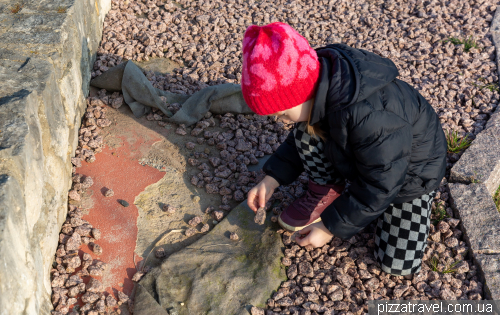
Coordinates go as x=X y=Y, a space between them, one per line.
x=402 y=230
x=311 y=152
x=401 y=235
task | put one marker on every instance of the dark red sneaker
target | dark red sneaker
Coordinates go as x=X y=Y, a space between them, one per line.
x=307 y=209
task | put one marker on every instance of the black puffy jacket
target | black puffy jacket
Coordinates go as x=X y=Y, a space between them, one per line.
x=383 y=137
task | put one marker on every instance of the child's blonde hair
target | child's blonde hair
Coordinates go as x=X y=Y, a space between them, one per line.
x=315 y=131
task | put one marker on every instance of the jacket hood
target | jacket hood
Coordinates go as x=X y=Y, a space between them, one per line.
x=349 y=75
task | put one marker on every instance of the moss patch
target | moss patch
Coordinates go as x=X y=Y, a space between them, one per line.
x=241 y=258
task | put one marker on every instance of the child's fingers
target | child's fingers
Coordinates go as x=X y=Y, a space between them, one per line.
x=306 y=230
x=262 y=198
x=251 y=201
x=303 y=241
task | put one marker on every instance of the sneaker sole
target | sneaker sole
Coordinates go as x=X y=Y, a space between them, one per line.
x=295 y=228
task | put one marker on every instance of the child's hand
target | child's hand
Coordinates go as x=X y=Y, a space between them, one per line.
x=260 y=194
x=315 y=234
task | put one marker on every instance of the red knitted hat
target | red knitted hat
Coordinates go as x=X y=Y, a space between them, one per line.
x=280 y=69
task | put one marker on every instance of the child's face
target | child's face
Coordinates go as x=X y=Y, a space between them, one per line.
x=295 y=114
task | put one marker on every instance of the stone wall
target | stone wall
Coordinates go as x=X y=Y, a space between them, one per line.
x=47 y=49
x=476 y=178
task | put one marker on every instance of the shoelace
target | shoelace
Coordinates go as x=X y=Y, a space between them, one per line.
x=309 y=202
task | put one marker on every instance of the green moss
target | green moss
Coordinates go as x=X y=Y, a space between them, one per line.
x=278 y=271
x=244 y=216
x=241 y=258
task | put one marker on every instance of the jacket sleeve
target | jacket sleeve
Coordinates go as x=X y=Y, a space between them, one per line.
x=285 y=164
x=381 y=148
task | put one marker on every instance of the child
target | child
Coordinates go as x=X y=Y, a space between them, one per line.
x=355 y=122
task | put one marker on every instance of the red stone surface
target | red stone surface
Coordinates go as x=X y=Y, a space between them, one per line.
x=119 y=169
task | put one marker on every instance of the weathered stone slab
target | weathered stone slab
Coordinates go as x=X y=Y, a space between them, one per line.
x=47 y=50
x=481 y=161
x=16 y=96
x=489 y=267
x=480 y=218
x=33 y=154
x=37 y=6
x=216 y=275
x=14 y=243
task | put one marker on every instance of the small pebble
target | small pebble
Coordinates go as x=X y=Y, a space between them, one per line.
x=190 y=232
x=233 y=236
x=96 y=248
x=96 y=233
x=122 y=297
x=190 y=145
x=205 y=228
x=260 y=216
x=137 y=276
x=168 y=209
x=160 y=253
x=110 y=301
x=195 y=221
x=74 y=195
x=108 y=192
x=87 y=182
x=123 y=202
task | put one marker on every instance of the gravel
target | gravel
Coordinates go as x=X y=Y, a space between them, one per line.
x=67 y=284
x=343 y=275
x=207 y=36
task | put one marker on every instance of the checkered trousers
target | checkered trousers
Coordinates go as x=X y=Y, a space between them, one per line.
x=311 y=152
x=401 y=235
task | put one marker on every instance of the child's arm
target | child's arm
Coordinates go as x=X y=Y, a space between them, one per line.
x=282 y=168
x=285 y=164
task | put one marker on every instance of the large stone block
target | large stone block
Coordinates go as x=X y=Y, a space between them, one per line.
x=481 y=161
x=479 y=215
x=489 y=268
x=30 y=158
x=46 y=56
x=18 y=267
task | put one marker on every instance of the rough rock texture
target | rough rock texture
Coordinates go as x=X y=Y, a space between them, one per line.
x=45 y=64
x=479 y=215
x=241 y=273
x=481 y=226
x=489 y=265
x=481 y=161
x=260 y=216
